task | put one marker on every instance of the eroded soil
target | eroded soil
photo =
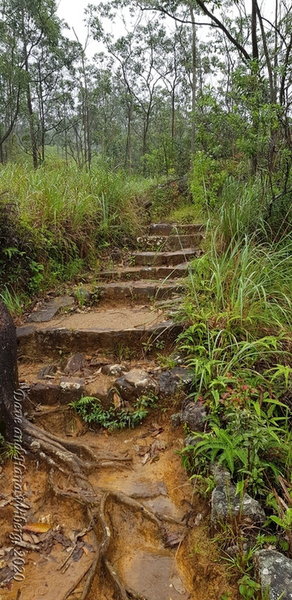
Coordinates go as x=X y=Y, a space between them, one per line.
x=177 y=562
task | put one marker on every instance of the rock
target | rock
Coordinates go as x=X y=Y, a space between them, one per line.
x=75 y=363
x=226 y=504
x=176 y=420
x=190 y=440
x=275 y=574
x=49 y=309
x=71 y=383
x=194 y=416
x=47 y=371
x=169 y=382
x=114 y=370
x=221 y=476
x=135 y=383
x=50 y=394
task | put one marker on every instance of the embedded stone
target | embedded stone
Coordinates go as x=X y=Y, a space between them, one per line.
x=47 y=371
x=49 y=309
x=275 y=574
x=75 y=363
x=114 y=370
x=72 y=384
x=194 y=416
x=226 y=505
x=135 y=383
x=170 y=381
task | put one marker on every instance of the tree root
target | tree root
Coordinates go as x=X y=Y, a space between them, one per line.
x=66 y=456
x=76 y=461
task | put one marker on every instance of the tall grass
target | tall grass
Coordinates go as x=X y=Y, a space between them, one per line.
x=246 y=208
x=247 y=284
x=54 y=220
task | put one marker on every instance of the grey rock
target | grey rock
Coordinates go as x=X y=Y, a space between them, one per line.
x=47 y=371
x=72 y=383
x=135 y=383
x=50 y=394
x=114 y=370
x=75 y=363
x=226 y=504
x=275 y=574
x=169 y=382
x=49 y=309
x=175 y=420
x=194 y=416
x=221 y=476
x=190 y=440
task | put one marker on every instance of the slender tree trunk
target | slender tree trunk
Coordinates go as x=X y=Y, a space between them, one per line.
x=42 y=114
x=194 y=79
x=33 y=138
x=172 y=116
x=128 y=151
x=255 y=72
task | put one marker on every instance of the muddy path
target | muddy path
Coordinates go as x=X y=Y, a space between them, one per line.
x=124 y=523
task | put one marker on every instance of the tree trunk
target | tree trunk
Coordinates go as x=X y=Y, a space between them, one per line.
x=128 y=152
x=255 y=72
x=8 y=371
x=194 y=79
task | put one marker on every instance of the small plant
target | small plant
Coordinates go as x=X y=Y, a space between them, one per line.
x=91 y=411
x=248 y=587
x=13 y=301
x=7 y=451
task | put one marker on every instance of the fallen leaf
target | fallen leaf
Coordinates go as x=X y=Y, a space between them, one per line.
x=37 y=527
x=172 y=540
x=177 y=583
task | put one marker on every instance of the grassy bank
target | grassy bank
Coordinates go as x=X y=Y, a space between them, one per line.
x=238 y=344
x=55 y=221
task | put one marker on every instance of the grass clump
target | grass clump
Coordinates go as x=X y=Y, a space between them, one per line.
x=245 y=288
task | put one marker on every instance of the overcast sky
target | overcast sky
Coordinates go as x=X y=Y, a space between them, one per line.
x=72 y=11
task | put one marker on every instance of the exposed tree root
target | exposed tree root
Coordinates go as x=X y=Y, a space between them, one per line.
x=75 y=461
x=95 y=502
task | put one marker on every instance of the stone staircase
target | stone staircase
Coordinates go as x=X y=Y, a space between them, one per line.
x=124 y=316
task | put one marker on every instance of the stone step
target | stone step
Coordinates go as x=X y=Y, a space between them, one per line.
x=120 y=332
x=170 y=242
x=137 y=290
x=175 y=228
x=165 y=258
x=155 y=273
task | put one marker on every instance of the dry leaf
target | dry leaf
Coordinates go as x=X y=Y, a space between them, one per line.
x=37 y=527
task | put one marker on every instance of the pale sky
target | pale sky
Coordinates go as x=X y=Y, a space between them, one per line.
x=72 y=11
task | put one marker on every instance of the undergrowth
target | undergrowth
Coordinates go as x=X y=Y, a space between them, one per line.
x=237 y=342
x=91 y=411
x=55 y=221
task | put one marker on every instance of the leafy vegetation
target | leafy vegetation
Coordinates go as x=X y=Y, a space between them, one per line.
x=91 y=411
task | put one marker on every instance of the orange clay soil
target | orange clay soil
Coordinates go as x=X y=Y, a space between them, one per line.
x=154 y=529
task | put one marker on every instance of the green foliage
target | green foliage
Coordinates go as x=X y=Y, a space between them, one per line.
x=7 y=450
x=253 y=444
x=206 y=181
x=246 y=287
x=54 y=221
x=92 y=412
x=246 y=208
x=14 y=302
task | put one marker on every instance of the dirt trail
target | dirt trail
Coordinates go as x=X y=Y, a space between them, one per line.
x=129 y=528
